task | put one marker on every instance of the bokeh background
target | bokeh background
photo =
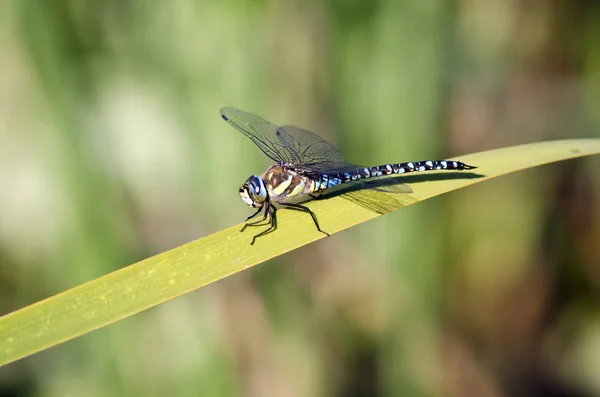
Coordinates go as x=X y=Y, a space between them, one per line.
x=112 y=150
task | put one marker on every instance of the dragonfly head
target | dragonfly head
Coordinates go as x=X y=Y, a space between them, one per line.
x=253 y=192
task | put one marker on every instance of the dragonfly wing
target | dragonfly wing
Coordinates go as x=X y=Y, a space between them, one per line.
x=287 y=144
x=261 y=132
x=380 y=198
x=379 y=202
x=378 y=195
x=310 y=150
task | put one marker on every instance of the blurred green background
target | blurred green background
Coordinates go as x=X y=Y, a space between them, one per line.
x=112 y=150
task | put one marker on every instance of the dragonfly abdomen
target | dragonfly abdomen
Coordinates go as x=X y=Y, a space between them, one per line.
x=329 y=180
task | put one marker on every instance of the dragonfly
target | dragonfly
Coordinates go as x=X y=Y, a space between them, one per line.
x=305 y=165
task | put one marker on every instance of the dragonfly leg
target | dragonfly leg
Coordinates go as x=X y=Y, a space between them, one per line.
x=315 y=197
x=305 y=209
x=255 y=223
x=253 y=215
x=271 y=211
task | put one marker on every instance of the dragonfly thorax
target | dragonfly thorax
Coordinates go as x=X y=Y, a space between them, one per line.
x=253 y=192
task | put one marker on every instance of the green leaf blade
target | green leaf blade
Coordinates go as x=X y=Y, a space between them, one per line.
x=165 y=276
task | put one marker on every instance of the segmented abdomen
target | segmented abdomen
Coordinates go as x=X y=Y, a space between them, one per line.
x=329 y=180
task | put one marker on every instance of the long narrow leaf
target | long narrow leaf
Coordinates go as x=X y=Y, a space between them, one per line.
x=193 y=265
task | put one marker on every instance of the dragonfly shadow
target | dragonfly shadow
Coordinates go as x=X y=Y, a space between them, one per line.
x=446 y=176
x=389 y=194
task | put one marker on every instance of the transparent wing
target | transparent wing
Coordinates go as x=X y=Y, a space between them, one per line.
x=311 y=150
x=260 y=131
x=287 y=144
x=377 y=195
x=381 y=196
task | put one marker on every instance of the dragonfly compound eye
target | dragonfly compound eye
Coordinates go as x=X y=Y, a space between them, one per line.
x=253 y=192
